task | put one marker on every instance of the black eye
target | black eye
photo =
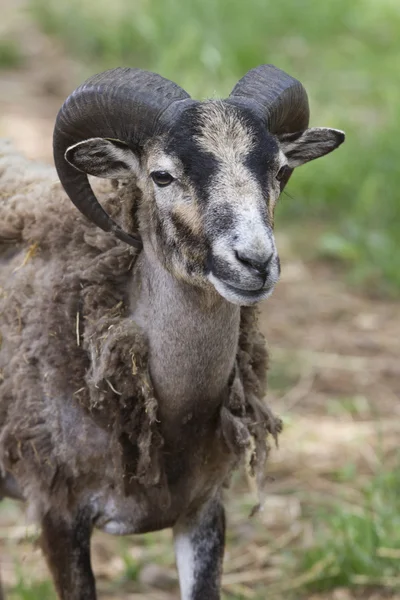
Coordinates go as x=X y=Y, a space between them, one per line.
x=282 y=172
x=162 y=178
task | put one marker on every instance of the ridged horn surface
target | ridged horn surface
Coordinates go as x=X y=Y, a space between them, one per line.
x=278 y=99
x=125 y=104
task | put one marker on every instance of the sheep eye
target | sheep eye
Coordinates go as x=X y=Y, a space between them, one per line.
x=162 y=178
x=282 y=172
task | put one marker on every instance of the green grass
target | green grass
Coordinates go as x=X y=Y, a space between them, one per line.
x=359 y=545
x=357 y=407
x=10 y=54
x=344 y=52
x=32 y=590
x=353 y=545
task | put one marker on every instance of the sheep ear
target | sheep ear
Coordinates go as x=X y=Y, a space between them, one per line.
x=103 y=157
x=303 y=146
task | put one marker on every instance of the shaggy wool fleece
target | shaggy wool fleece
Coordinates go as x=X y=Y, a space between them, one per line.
x=66 y=336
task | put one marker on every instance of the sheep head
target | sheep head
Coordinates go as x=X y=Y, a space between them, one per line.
x=210 y=172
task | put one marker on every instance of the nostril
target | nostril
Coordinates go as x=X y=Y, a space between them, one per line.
x=261 y=266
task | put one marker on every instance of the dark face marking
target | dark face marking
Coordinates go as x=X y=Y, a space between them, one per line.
x=199 y=167
x=223 y=162
x=263 y=160
x=222 y=217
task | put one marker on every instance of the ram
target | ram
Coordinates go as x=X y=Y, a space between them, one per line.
x=132 y=367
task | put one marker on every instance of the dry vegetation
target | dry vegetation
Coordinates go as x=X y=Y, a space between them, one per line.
x=335 y=380
x=331 y=525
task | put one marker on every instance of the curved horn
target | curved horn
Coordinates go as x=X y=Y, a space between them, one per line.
x=125 y=104
x=278 y=99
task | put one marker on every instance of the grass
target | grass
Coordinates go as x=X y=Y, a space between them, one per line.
x=361 y=541
x=10 y=54
x=347 y=540
x=32 y=590
x=344 y=52
x=346 y=55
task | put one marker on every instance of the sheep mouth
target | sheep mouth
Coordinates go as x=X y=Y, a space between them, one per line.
x=245 y=292
x=251 y=295
x=241 y=296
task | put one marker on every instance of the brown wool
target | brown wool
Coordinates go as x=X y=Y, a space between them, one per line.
x=67 y=338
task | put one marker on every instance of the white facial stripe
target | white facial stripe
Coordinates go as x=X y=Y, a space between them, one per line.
x=226 y=137
x=223 y=134
x=252 y=230
x=235 y=185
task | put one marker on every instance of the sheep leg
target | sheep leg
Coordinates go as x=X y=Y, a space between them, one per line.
x=66 y=545
x=199 y=548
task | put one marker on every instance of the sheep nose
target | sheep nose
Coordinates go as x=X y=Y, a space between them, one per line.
x=255 y=262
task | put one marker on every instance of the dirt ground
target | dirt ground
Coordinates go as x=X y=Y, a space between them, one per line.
x=335 y=378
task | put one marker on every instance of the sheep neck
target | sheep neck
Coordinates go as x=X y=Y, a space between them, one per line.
x=193 y=340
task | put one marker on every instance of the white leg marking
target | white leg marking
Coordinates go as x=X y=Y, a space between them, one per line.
x=186 y=562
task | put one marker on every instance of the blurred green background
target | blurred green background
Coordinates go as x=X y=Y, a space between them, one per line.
x=347 y=54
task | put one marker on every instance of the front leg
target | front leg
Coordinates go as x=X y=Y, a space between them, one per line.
x=65 y=542
x=199 y=548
